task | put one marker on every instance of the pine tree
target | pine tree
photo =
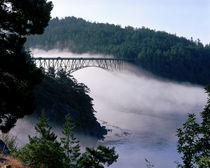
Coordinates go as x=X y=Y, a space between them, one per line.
x=44 y=129
x=43 y=151
x=70 y=143
x=97 y=158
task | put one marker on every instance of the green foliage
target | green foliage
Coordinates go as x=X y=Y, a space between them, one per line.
x=46 y=152
x=70 y=143
x=161 y=53
x=97 y=158
x=18 y=75
x=44 y=129
x=60 y=94
x=43 y=151
x=194 y=142
x=204 y=162
x=188 y=138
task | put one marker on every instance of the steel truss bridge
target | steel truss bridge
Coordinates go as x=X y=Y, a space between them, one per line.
x=70 y=65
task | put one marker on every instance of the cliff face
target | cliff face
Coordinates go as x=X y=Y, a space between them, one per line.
x=62 y=95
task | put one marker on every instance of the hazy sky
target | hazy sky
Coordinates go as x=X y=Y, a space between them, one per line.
x=188 y=18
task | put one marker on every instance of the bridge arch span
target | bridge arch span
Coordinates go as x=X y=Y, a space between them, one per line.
x=71 y=65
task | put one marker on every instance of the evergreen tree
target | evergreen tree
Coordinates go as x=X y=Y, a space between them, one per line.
x=70 y=143
x=97 y=158
x=44 y=129
x=43 y=151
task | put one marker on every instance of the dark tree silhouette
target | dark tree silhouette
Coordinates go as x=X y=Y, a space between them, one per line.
x=18 y=75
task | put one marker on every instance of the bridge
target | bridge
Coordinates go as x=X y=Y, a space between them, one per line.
x=70 y=64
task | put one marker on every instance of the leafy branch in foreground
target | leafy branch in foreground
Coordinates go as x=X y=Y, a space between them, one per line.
x=194 y=139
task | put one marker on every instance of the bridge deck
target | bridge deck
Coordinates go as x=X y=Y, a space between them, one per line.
x=79 y=58
x=71 y=64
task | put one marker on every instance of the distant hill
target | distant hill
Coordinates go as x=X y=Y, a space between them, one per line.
x=163 y=54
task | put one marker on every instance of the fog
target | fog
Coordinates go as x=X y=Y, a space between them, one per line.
x=142 y=111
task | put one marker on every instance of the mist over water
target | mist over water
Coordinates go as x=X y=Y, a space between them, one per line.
x=142 y=111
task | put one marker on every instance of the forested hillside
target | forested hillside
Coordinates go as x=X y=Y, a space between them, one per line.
x=59 y=95
x=163 y=54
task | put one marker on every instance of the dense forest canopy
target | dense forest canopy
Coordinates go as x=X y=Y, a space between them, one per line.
x=163 y=54
x=18 y=75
